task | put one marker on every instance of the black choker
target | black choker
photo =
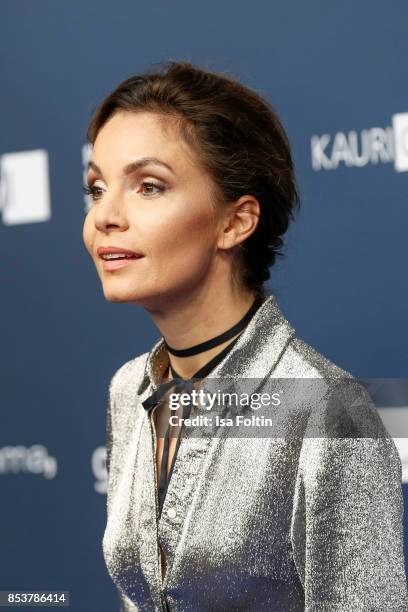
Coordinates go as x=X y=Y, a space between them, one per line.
x=204 y=346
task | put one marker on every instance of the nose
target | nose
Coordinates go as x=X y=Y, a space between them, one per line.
x=109 y=214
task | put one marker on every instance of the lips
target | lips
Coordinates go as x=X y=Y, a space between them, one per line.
x=115 y=253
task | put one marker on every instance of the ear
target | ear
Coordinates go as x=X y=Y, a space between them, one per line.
x=239 y=222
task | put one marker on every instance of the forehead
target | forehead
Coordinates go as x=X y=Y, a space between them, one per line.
x=132 y=135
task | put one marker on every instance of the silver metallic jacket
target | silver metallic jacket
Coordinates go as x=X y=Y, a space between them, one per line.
x=253 y=524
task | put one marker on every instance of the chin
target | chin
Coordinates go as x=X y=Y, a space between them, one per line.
x=122 y=291
x=115 y=295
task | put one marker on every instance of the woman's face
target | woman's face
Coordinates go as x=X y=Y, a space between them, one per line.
x=162 y=213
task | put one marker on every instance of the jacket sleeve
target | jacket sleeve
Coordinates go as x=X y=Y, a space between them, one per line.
x=109 y=446
x=125 y=604
x=112 y=437
x=347 y=522
x=108 y=435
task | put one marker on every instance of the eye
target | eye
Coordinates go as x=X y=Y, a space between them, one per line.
x=92 y=191
x=96 y=192
x=152 y=184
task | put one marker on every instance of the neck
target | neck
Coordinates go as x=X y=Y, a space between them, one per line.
x=193 y=320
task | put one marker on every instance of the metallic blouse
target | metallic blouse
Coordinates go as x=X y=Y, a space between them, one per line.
x=278 y=524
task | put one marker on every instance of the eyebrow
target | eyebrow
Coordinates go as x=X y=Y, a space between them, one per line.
x=133 y=166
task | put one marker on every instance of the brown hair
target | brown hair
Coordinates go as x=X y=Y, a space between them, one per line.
x=238 y=138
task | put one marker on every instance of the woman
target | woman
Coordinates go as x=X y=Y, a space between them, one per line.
x=192 y=187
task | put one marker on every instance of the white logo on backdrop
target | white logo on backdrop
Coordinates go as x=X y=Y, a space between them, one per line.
x=24 y=187
x=369 y=146
x=400 y=128
x=98 y=463
x=27 y=459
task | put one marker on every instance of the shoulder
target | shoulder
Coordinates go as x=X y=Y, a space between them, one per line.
x=123 y=393
x=303 y=360
x=339 y=404
x=128 y=376
x=344 y=439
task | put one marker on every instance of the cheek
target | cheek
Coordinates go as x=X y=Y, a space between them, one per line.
x=183 y=245
x=88 y=232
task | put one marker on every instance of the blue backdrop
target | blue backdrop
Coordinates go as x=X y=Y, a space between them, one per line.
x=336 y=74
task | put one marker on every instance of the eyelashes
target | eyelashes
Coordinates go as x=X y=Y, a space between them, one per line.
x=96 y=192
x=90 y=191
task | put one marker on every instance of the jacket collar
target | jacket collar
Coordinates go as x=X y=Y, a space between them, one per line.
x=254 y=355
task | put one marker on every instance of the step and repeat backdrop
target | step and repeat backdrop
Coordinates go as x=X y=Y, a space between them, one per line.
x=336 y=74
